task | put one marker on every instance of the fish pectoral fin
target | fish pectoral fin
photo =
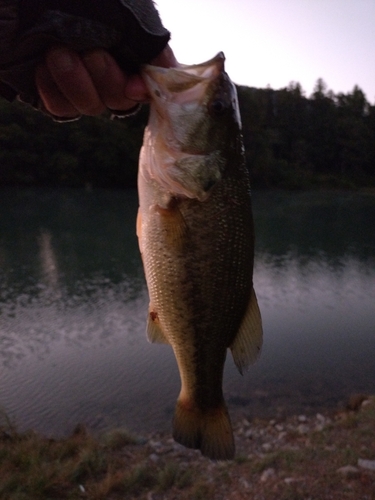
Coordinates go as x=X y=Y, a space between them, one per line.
x=171 y=224
x=139 y=229
x=155 y=334
x=247 y=344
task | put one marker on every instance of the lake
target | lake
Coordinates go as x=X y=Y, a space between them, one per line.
x=73 y=306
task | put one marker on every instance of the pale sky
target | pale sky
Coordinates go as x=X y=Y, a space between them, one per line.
x=274 y=42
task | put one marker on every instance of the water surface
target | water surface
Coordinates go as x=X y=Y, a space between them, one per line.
x=73 y=304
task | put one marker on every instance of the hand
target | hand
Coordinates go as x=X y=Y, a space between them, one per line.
x=72 y=84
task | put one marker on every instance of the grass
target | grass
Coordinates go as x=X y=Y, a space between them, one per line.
x=118 y=438
x=34 y=467
x=118 y=466
x=281 y=459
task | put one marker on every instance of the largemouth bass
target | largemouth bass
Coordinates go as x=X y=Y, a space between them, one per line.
x=196 y=237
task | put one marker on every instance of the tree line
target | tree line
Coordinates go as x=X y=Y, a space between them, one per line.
x=291 y=141
x=295 y=141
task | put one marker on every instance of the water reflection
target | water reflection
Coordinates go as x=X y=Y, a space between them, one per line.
x=48 y=261
x=73 y=304
x=321 y=226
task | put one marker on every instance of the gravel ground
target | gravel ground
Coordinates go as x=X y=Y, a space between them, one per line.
x=330 y=456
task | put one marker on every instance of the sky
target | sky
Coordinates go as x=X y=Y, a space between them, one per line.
x=275 y=42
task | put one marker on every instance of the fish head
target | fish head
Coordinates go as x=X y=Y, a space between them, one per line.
x=193 y=127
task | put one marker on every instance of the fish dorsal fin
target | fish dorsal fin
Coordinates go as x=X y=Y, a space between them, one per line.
x=154 y=332
x=247 y=344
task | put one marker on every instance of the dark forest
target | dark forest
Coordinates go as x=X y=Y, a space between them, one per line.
x=291 y=141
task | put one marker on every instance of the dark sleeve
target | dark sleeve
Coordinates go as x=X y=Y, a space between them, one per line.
x=131 y=30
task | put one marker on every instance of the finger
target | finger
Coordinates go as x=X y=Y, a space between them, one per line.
x=54 y=101
x=166 y=59
x=74 y=81
x=110 y=81
x=136 y=88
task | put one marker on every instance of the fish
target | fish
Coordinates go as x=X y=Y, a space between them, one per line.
x=196 y=238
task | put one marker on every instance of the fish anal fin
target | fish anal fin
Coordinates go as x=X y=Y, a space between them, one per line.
x=154 y=331
x=209 y=430
x=247 y=344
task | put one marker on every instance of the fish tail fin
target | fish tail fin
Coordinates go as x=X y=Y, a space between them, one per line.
x=217 y=435
x=187 y=425
x=210 y=431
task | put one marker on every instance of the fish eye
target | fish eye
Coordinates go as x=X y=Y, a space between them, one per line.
x=218 y=106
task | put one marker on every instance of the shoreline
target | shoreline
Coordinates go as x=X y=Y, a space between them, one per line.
x=326 y=455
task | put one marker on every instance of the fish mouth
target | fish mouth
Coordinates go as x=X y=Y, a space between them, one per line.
x=178 y=95
x=182 y=84
x=179 y=98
